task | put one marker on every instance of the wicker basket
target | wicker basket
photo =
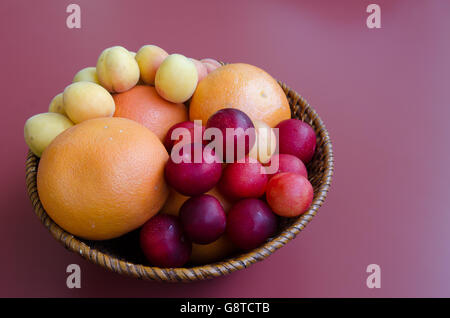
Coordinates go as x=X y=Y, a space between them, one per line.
x=123 y=256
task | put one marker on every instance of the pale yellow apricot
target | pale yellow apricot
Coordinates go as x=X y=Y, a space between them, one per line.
x=88 y=74
x=41 y=129
x=56 y=105
x=265 y=143
x=87 y=100
x=176 y=78
x=149 y=58
x=202 y=70
x=117 y=70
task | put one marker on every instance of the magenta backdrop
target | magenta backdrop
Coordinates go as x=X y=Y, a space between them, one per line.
x=383 y=94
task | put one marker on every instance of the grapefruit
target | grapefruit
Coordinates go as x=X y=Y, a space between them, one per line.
x=103 y=178
x=242 y=86
x=143 y=105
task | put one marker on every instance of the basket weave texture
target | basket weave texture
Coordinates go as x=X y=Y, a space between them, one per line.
x=123 y=256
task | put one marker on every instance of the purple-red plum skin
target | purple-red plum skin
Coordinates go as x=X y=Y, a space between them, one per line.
x=297 y=138
x=163 y=242
x=203 y=219
x=193 y=178
x=250 y=222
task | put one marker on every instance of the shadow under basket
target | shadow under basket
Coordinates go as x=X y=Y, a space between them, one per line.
x=123 y=255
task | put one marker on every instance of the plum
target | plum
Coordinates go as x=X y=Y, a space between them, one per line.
x=189 y=126
x=286 y=163
x=237 y=132
x=163 y=242
x=289 y=194
x=249 y=223
x=243 y=180
x=203 y=219
x=297 y=138
x=190 y=175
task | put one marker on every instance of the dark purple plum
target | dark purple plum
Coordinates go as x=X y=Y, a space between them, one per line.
x=190 y=177
x=189 y=126
x=297 y=138
x=163 y=242
x=236 y=122
x=249 y=223
x=203 y=219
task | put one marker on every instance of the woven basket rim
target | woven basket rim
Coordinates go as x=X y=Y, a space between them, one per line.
x=200 y=272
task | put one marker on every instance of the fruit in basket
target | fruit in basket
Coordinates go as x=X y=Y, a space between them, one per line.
x=286 y=163
x=243 y=180
x=242 y=86
x=86 y=100
x=249 y=223
x=237 y=132
x=193 y=169
x=57 y=105
x=210 y=64
x=212 y=252
x=297 y=138
x=149 y=58
x=173 y=202
x=266 y=142
x=202 y=71
x=117 y=70
x=289 y=194
x=186 y=135
x=176 y=200
x=203 y=219
x=41 y=129
x=103 y=178
x=143 y=105
x=176 y=78
x=163 y=242
x=88 y=74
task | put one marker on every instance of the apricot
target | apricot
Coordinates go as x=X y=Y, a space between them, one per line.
x=57 y=105
x=210 y=64
x=266 y=142
x=117 y=70
x=88 y=74
x=201 y=69
x=213 y=252
x=149 y=58
x=41 y=129
x=176 y=78
x=86 y=100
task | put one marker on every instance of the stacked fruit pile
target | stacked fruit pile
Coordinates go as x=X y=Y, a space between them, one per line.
x=121 y=150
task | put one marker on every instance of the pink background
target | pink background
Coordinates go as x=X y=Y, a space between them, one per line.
x=383 y=94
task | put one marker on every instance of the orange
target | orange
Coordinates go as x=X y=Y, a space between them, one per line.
x=144 y=105
x=242 y=86
x=103 y=178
